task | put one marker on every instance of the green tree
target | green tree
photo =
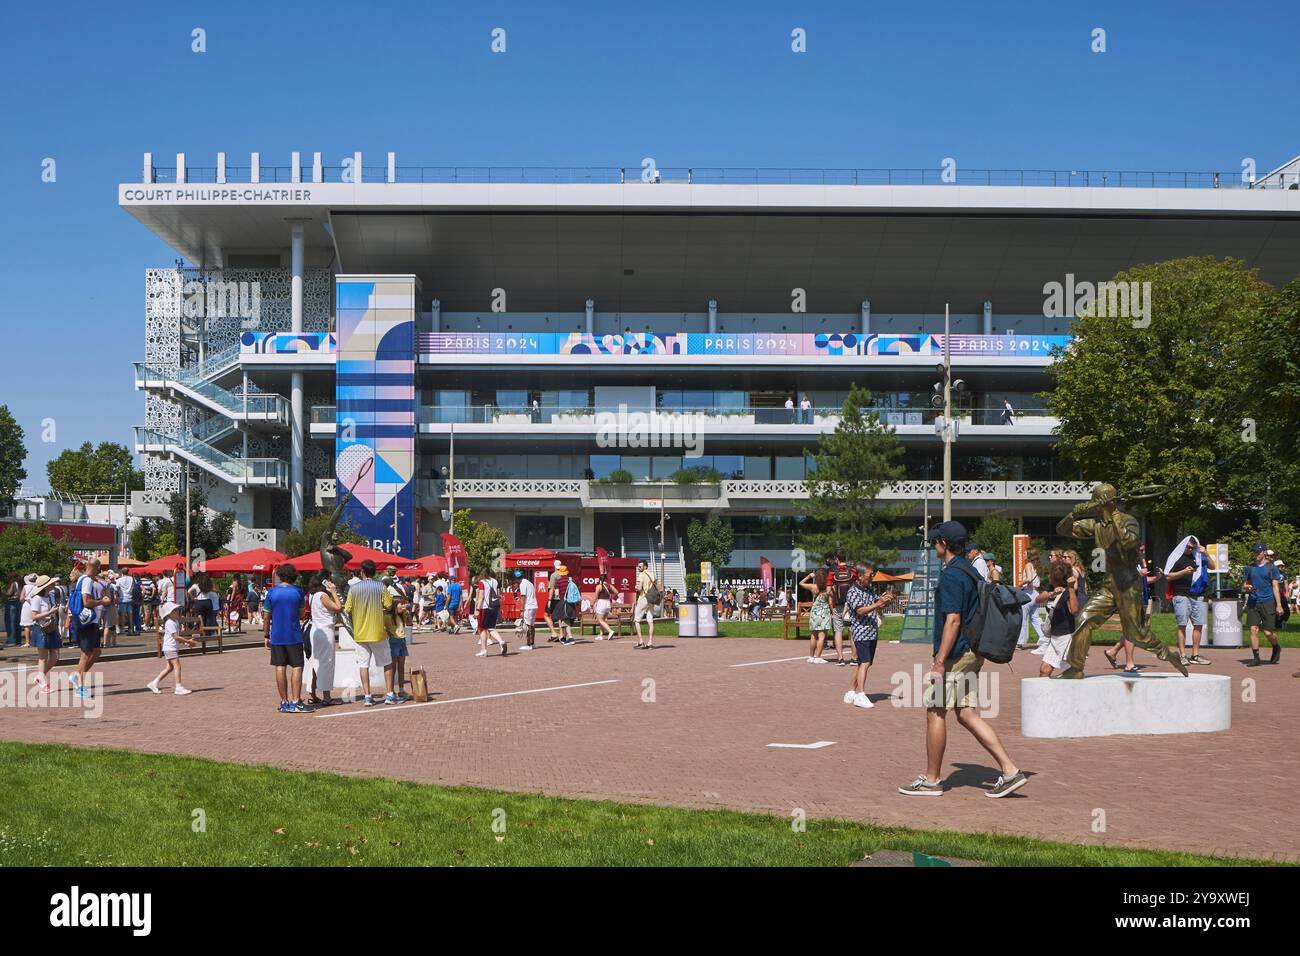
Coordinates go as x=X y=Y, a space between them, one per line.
x=1163 y=402
x=29 y=548
x=12 y=454
x=210 y=530
x=994 y=536
x=1270 y=379
x=851 y=467
x=484 y=544
x=1282 y=537
x=153 y=538
x=307 y=541
x=711 y=540
x=103 y=469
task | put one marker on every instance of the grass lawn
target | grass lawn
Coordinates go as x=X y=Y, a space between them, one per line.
x=1163 y=625
x=70 y=806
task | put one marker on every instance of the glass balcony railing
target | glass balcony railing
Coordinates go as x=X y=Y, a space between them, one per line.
x=738 y=415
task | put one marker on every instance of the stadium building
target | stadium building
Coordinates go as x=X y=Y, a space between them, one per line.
x=571 y=353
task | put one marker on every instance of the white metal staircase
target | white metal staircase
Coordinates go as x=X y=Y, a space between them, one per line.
x=250 y=472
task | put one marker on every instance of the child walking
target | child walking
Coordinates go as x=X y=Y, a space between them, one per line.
x=171 y=647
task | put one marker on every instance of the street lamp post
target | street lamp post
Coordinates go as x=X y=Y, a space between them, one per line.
x=947 y=416
x=942 y=398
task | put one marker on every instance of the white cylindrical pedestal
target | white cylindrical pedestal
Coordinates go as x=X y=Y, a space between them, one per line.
x=347 y=674
x=1109 y=704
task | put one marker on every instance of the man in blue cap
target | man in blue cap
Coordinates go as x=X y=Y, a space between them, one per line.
x=1262 y=584
x=954 y=671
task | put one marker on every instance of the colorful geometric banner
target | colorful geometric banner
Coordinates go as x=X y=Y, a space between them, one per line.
x=281 y=343
x=830 y=345
x=374 y=445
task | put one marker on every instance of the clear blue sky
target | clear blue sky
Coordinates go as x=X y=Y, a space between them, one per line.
x=1182 y=86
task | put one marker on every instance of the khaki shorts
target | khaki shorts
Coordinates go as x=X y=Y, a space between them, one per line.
x=960 y=683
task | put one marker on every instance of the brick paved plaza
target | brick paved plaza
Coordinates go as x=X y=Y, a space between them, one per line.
x=704 y=741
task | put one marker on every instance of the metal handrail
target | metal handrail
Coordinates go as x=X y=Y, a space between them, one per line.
x=748 y=176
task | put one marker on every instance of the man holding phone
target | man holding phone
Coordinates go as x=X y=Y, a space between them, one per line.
x=862 y=606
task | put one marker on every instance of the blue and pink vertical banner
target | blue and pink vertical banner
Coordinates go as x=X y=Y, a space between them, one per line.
x=374 y=445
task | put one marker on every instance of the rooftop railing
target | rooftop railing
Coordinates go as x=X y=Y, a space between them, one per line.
x=743 y=176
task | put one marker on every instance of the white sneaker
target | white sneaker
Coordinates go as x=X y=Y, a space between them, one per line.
x=153 y=686
x=862 y=700
x=526 y=647
x=820 y=660
x=812 y=660
x=481 y=654
x=182 y=691
x=849 y=697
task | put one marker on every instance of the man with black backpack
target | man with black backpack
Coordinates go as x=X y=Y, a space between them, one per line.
x=954 y=671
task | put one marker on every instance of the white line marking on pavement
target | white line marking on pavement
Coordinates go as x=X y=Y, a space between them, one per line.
x=779 y=660
x=390 y=709
x=817 y=746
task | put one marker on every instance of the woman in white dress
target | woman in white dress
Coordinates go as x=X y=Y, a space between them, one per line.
x=1029 y=583
x=324 y=604
x=604 y=593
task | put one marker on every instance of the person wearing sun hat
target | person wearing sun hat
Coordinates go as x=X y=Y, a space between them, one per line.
x=172 y=639
x=45 y=636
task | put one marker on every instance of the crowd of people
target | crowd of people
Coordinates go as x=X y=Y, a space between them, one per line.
x=301 y=619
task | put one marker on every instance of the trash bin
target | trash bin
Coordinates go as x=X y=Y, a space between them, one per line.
x=707 y=623
x=687 y=619
x=1225 y=623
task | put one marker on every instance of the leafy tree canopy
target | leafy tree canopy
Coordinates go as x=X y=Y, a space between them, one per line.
x=849 y=469
x=103 y=469
x=1164 y=402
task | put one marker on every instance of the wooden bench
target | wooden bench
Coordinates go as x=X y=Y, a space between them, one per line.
x=618 y=618
x=795 y=626
x=192 y=627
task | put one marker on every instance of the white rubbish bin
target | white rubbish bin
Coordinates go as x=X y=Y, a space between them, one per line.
x=707 y=624
x=1225 y=623
x=687 y=619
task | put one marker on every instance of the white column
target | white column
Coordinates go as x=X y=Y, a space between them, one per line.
x=713 y=316
x=255 y=164
x=988 y=318
x=221 y=167
x=591 y=316
x=295 y=167
x=866 y=316
x=317 y=171
x=147 y=176
x=392 y=167
x=356 y=167
x=180 y=167
x=295 y=387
